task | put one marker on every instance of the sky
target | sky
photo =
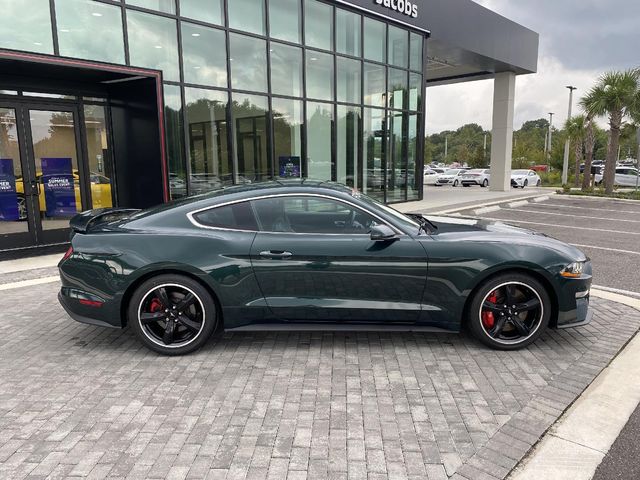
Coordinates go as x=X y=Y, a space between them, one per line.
x=579 y=40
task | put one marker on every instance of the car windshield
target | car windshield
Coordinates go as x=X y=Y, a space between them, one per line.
x=452 y=171
x=520 y=172
x=398 y=216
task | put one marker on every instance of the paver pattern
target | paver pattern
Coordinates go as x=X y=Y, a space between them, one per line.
x=87 y=402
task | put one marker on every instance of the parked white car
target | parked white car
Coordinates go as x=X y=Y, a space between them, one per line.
x=477 y=176
x=430 y=177
x=525 y=178
x=625 y=177
x=450 y=177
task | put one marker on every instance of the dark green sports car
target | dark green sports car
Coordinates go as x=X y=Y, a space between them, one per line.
x=308 y=255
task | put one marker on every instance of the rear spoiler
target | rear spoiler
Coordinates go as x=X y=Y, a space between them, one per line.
x=81 y=222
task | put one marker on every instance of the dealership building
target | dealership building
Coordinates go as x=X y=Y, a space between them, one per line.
x=135 y=102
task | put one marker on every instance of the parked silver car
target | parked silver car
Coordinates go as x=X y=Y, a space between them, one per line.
x=625 y=177
x=477 y=176
x=450 y=177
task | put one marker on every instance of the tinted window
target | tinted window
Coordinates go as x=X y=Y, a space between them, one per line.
x=26 y=25
x=79 y=20
x=153 y=43
x=284 y=20
x=236 y=216
x=247 y=15
x=311 y=215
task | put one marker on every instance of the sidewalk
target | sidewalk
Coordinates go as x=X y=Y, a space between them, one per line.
x=438 y=199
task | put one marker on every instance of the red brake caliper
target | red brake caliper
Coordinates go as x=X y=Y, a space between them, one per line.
x=155 y=305
x=487 y=316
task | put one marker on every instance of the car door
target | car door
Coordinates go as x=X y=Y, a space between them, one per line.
x=314 y=261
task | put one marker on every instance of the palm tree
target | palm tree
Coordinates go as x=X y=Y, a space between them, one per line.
x=575 y=128
x=616 y=96
x=589 y=144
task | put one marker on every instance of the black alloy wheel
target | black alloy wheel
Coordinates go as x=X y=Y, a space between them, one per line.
x=172 y=314
x=510 y=312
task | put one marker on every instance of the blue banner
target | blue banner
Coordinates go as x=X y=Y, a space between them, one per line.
x=8 y=195
x=59 y=190
x=289 y=167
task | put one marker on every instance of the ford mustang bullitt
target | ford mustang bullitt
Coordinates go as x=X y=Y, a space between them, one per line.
x=311 y=255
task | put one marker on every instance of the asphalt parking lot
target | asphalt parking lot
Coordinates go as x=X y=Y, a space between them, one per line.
x=78 y=401
x=607 y=230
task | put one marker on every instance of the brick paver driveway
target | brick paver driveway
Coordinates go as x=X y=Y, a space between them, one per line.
x=82 y=401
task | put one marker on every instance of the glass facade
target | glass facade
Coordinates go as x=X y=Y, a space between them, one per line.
x=257 y=89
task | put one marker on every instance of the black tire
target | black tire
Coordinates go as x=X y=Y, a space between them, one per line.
x=538 y=183
x=455 y=183
x=504 y=328
x=485 y=183
x=438 y=185
x=168 y=329
x=466 y=185
x=525 y=184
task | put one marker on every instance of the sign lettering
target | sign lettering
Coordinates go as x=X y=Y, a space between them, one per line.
x=402 y=6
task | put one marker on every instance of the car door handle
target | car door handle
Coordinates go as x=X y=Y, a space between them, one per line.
x=276 y=254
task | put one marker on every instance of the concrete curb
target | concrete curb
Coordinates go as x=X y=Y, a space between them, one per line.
x=579 y=440
x=592 y=197
x=544 y=197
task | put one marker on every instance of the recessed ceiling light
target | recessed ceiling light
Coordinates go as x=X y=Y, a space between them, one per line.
x=197 y=67
x=313 y=59
x=96 y=14
x=64 y=30
x=157 y=46
x=195 y=34
x=37 y=43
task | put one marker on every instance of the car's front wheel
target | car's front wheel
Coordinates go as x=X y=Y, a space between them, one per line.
x=509 y=311
x=485 y=183
x=455 y=183
x=172 y=314
x=525 y=184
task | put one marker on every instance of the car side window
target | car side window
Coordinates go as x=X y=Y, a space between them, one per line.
x=237 y=216
x=306 y=214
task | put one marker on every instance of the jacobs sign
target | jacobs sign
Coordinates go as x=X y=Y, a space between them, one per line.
x=402 y=6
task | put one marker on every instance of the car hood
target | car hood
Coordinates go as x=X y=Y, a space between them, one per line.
x=481 y=230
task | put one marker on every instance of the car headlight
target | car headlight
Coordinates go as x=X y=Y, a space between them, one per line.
x=573 y=270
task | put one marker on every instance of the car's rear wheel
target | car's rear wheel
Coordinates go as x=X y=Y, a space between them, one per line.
x=485 y=183
x=509 y=311
x=525 y=184
x=538 y=183
x=455 y=183
x=172 y=314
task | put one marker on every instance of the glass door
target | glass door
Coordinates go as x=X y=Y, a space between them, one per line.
x=53 y=150
x=17 y=226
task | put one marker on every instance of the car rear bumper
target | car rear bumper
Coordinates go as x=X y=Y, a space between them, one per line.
x=82 y=313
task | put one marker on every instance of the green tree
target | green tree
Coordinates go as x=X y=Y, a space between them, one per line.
x=575 y=127
x=615 y=95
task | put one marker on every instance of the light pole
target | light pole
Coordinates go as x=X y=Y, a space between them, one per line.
x=550 y=144
x=565 y=163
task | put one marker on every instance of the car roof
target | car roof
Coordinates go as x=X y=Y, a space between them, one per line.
x=249 y=190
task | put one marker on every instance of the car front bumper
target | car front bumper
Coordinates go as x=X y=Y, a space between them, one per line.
x=574 y=307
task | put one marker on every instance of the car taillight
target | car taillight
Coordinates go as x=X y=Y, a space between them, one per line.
x=68 y=253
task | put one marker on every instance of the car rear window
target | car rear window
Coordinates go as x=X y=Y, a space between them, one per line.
x=237 y=216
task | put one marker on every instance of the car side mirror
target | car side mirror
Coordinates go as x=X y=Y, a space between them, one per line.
x=382 y=233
